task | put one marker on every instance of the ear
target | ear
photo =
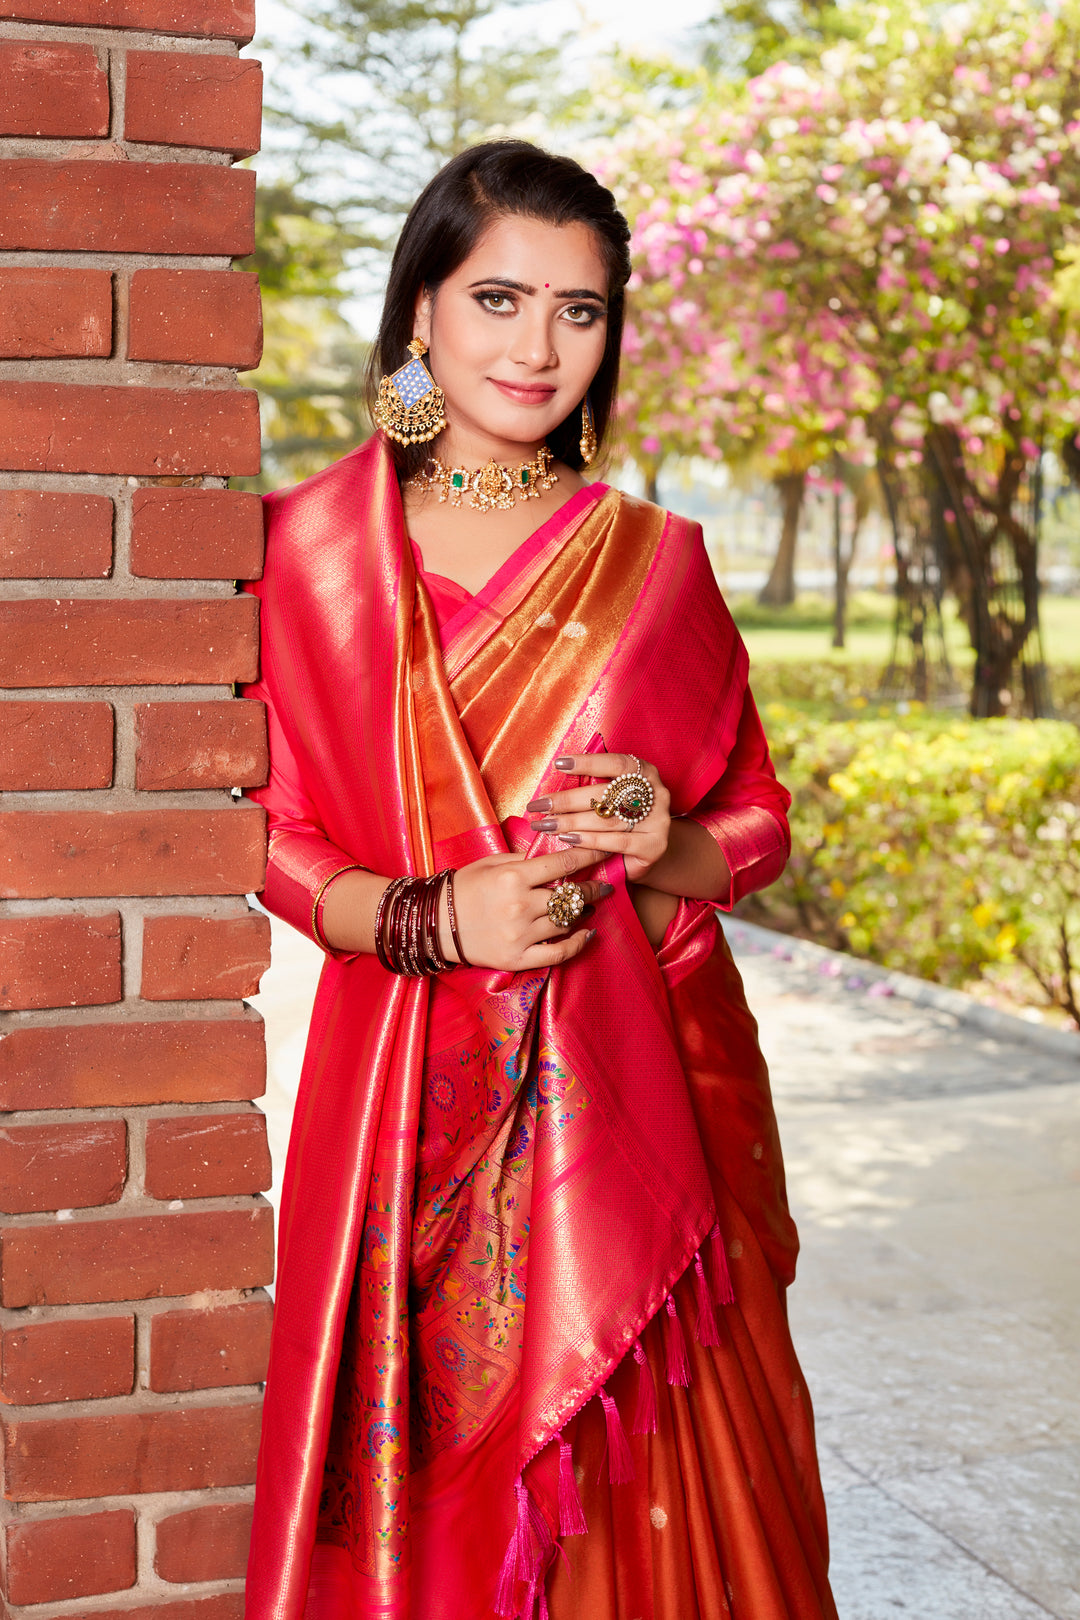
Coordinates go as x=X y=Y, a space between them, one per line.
x=422 y=316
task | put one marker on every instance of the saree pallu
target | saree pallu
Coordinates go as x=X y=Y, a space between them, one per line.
x=510 y=1197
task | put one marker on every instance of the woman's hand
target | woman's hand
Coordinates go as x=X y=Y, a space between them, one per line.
x=568 y=814
x=501 y=904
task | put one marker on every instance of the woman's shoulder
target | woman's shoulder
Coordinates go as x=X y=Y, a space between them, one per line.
x=676 y=531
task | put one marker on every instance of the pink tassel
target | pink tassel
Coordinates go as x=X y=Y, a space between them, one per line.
x=572 y=1520
x=620 y=1458
x=678 y=1367
x=520 y=1562
x=707 y=1330
x=725 y=1293
x=504 y=1595
x=646 y=1418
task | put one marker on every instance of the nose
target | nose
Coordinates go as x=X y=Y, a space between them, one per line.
x=532 y=345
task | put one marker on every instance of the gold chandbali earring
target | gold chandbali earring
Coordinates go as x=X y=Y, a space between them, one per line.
x=490 y=488
x=587 y=444
x=411 y=406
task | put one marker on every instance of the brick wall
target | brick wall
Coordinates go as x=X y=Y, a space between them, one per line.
x=133 y=1240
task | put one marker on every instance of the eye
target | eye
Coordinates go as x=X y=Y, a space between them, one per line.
x=499 y=303
x=582 y=314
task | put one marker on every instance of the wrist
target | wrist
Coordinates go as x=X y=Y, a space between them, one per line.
x=446 y=933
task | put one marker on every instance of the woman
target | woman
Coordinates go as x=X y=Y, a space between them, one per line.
x=530 y=1344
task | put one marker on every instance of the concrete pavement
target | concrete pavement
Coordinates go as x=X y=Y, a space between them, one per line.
x=934 y=1170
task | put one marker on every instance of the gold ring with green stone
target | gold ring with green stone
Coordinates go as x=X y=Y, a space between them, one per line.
x=629 y=797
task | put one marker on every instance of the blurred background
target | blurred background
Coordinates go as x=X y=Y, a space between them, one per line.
x=853 y=354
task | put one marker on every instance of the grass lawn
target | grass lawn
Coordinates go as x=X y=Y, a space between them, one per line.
x=804 y=631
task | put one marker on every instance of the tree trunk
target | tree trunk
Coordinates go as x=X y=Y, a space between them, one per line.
x=650 y=471
x=996 y=578
x=841 y=568
x=843 y=559
x=779 y=588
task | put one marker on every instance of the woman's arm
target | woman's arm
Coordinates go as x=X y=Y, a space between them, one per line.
x=311 y=882
x=736 y=840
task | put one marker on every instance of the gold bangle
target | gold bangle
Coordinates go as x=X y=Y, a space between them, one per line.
x=316 y=932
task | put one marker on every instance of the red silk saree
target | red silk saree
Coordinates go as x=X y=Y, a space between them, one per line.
x=530 y=1347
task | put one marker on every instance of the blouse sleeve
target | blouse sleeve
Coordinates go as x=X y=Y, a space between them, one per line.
x=746 y=811
x=301 y=859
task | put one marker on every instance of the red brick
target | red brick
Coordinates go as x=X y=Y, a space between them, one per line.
x=48 y=535
x=63 y=427
x=80 y=1555
x=63 y=1166
x=131 y=1064
x=55 y=745
x=136 y=1256
x=196 y=317
x=206 y=1156
x=200 y=745
x=196 y=534
x=86 y=206
x=71 y=854
x=205 y=1543
x=207 y=1349
x=229 y=1606
x=128 y=642
x=179 y=1449
x=49 y=89
x=46 y=313
x=204 y=958
x=220 y=19
x=73 y=1359
x=176 y=99
x=65 y=961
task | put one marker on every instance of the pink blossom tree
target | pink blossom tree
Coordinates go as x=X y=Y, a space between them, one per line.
x=857 y=257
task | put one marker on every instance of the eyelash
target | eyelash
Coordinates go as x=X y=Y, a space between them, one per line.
x=591 y=310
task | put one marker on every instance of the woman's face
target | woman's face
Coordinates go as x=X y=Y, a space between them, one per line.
x=516 y=336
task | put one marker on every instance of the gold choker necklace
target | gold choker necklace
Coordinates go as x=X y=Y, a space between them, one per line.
x=491 y=487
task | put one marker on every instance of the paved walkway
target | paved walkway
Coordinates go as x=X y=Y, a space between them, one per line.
x=934 y=1170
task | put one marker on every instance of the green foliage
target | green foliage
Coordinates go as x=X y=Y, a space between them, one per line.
x=310 y=377
x=403 y=86
x=748 y=36
x=938 y=846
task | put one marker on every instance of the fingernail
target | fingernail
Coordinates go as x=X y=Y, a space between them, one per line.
x=564 y=762
x=606 y=889
x=591 y=934
x=569 y=838
x=545 y=824
x=536 y=805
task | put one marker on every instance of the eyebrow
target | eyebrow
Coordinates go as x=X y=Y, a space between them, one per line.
x=523 y=287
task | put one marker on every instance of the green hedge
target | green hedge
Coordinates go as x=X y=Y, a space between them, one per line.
x=944 y=847
x=838 y=686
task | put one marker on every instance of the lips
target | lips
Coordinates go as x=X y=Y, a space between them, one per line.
x=524 y=393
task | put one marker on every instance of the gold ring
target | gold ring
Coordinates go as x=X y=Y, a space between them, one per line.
x=630 y=797
x=566 y=902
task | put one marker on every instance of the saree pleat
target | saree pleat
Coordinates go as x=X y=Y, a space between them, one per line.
x=497 y=1182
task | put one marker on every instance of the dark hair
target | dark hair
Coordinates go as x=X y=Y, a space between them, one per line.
x=448 y=219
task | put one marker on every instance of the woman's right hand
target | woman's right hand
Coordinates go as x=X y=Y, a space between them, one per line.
x=501 y=904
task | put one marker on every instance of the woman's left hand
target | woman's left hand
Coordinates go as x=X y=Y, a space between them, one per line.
x=569 y=817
